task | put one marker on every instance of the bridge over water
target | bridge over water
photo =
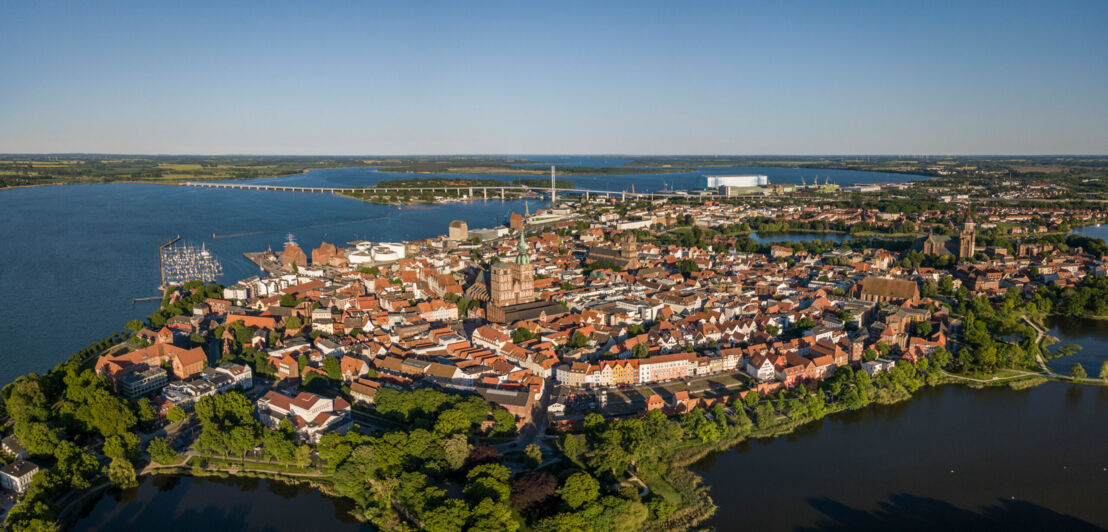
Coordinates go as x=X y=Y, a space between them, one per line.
x=459 y=191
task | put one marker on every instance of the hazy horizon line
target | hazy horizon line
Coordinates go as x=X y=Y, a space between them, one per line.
x=936 y=155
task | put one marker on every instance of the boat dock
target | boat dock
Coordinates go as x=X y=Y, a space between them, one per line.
x=266 y=261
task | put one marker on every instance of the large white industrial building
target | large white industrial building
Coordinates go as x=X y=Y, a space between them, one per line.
x=744 y=180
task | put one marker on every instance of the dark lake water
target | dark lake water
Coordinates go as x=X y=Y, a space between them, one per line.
x=186 y=504
x=950 y=458
x=797 y=237
x=1091 y=335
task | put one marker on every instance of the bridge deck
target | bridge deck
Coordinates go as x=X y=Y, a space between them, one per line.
x=458 y=189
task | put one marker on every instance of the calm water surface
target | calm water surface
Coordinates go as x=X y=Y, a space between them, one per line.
x=953 y=458
x=1091 y=335
x=797 y=237
x=187 y=504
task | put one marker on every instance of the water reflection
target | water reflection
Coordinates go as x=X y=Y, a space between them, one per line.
x=1090 y=334
x=944 y=450
x=171 y=503
x=903 y=511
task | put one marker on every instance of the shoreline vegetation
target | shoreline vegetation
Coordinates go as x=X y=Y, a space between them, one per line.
x=434 y=190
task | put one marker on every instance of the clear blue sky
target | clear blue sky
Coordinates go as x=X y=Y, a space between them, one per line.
x=640 y=77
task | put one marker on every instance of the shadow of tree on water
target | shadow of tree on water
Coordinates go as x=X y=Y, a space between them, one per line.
x=909 y=512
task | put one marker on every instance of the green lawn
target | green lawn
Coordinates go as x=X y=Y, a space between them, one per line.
x=260 y=466
x=662 y=488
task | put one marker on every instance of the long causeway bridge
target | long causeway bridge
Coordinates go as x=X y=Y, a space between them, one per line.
x=457 y=191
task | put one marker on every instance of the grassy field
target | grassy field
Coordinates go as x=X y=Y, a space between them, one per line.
x=662 y=488
x=258 y=466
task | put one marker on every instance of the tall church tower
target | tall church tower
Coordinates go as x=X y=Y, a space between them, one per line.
x=523 y=276
x=513 y=283
x=966 y=239
x=628 y=245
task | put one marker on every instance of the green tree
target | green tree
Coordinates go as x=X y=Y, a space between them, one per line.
x=449 y=515
x=923 y=329
x=1104 y=370
x=293 y=323
x=579 y=340
x=333 y=368
x=161 y=451
x=123 y=446
x=144 y=411
x=175 y=414
x=74 y=467
x=488 y=481
x=751 y=399
x=521 y=335
x=534 y=454
x=574 y=446
x=579 y=489
x=743 y=424
x=279 y=447
x=452 y=421
x=456 y=449
x=228 y=424
x=765 y=416
x=492 y=516
x=1077 y=371
x=303 y=455
x=38 y=438
x=504 y=421
x=687 y=266
x=122 y=474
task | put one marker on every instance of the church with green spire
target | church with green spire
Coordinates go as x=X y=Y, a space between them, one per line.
x=512 y=290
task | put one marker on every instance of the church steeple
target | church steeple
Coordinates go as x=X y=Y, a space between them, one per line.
x=967 y=239
x=523 y=257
